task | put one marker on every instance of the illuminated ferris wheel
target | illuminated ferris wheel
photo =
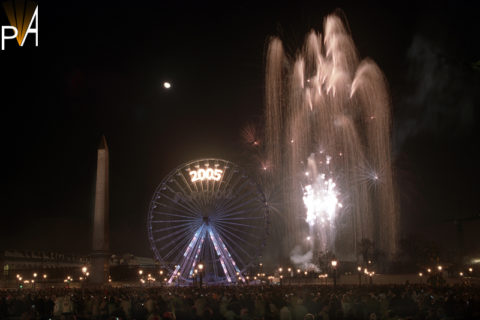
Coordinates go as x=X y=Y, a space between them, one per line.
x=207 y=212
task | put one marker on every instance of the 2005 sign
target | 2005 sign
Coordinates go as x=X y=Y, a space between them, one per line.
x=206 y=174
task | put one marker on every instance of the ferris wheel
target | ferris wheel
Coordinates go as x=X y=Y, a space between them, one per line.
x=207 y=212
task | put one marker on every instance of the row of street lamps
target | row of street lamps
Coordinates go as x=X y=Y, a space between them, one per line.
x=197 y=273
x=440 y=269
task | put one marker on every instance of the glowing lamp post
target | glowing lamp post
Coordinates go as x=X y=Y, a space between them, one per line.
x=334 y=266
x=34 y=278
x=200 y=268
x=359 y=269
x=85 y=274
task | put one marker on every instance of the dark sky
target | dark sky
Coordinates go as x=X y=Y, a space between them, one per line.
x=99 y=70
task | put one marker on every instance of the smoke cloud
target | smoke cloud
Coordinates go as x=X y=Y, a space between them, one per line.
x=442 y=93
x=302 y=260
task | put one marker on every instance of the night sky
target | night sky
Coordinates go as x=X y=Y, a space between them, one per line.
x=99 y=69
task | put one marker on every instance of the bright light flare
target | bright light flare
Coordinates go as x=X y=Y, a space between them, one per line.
x=321 y=200
x=167 y=85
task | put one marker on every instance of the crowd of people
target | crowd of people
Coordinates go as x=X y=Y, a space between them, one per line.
x=245 y=302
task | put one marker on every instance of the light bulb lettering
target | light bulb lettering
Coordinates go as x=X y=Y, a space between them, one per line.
x=206 y=174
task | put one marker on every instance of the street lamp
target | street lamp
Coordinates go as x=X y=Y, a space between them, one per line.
x=334 y=265
x=200 y=267
x=371 y=274
x=34 y=278
x=439 y=268
x=359 y=269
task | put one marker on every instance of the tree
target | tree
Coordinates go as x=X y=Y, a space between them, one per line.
x=366 y=249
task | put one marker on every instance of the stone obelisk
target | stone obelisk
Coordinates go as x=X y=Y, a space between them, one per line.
x=100 y=257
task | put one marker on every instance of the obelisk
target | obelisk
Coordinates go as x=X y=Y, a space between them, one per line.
x=100 y=257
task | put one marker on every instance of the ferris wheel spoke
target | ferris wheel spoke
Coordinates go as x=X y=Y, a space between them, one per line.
x=183 y=197
x=238 y=224
x=178 y=232
x=248 y=241
x=169 y=228
x=241 y=235
x=192 y=200
x=234 y=204
x=235 y=255
x=231 y=202
x=188 y=208
x=200 y=191
x=221 y=216
x=176 y=209
x=241 y=218
x=230 y=191
x=196 y=232
x=227 y=260
x=223 y=230
x=190 y=256
x=232 y=209
x=185 y=182
x=227 y=177
x=239 y=209
x=162 y=213
x=184 y=221
x=176 y=248
x=172 y=204
x=214 y=258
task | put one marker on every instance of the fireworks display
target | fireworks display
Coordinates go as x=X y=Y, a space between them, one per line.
x=326 y=101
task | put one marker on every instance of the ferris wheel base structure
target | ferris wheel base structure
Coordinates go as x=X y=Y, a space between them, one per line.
x=207 y=220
